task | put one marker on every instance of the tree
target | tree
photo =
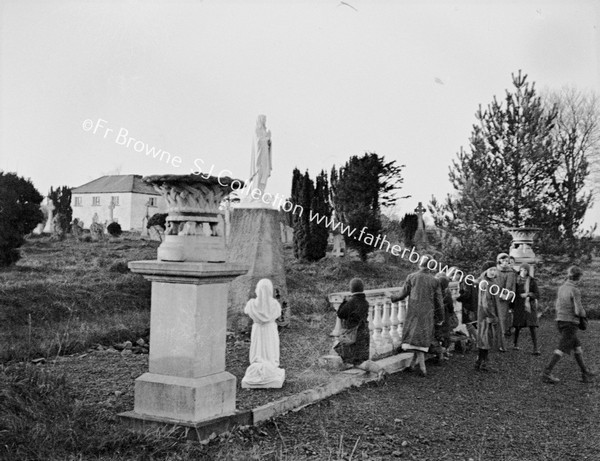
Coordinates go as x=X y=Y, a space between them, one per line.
x=576 y=142
x=19 y=214
x=359 y=190
x=319 y=232
x=409 y=226
x=61 y=198
x=302 y=191
x=505 y=177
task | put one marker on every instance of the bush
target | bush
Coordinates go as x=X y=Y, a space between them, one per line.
x=114 y=229
x=19 y=214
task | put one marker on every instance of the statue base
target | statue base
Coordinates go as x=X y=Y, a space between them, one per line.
x=255 y=241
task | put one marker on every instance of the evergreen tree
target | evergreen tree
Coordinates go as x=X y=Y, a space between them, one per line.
x=409 y=226
x=504 y=179
x=359 y=189
x=319 y=233
x=61 y=198
x=19 y=214
x=302 y=189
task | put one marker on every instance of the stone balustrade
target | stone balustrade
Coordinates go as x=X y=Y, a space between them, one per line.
x=386 y=319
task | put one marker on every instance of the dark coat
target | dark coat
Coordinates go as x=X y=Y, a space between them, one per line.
x=522 y=318
x=469 y=298
x=425 y=309
x=353 y=312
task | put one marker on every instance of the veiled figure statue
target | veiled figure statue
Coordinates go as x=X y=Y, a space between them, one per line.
x=261 y=162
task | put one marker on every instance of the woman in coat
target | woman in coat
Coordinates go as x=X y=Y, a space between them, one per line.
x=353 y=313
x=525 y=312
x=425 y=310
x=487 y=316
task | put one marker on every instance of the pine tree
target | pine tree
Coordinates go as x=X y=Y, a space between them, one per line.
x=504 y=178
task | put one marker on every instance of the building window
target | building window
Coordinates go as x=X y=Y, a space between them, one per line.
x=114 y=200
x=152 y=201
x=77 y=201
x=96 y=201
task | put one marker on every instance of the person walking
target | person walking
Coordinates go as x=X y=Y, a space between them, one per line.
x=487 y=316
x=569 y=311
x=525 y=311
x=425 y=311
x=353 y=313
x=506 y=279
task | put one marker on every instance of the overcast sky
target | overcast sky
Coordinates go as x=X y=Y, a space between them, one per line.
x=399 y=78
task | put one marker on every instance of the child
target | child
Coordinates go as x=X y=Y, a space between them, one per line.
x=568 y=311
x=487 y=316
x=525 y=307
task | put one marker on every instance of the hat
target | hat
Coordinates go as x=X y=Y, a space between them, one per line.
x=487 y=265
x=501 y=256
x=356 y=285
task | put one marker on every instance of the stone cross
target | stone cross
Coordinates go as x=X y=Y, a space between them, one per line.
x=420 y=210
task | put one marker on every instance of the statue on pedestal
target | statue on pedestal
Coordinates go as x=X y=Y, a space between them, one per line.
x=261 y=161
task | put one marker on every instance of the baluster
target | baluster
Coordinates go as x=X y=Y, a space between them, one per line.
x=401 y=316
x=377 y=325
x=371 y=329
x=386 y=323
x=394 y=328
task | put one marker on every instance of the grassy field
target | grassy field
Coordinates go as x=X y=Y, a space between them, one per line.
x=65 y=297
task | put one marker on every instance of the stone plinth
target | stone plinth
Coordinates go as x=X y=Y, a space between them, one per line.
x=187 y=380
x=255 y=241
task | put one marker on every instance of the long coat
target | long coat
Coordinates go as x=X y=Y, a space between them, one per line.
x=353 y=312
x=425 y=309
x=522 y=318
x=487 y=316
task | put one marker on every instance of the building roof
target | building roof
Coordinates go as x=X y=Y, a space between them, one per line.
x=116 y=183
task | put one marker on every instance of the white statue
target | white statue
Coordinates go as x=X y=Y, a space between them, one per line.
x=264 y=371
x=261 y=162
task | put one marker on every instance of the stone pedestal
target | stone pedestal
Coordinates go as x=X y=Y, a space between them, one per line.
x=255 y=241
x=187 y=380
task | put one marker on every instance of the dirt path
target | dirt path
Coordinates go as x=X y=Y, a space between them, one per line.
x=454 y=414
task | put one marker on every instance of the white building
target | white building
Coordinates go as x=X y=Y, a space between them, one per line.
x=125 y=199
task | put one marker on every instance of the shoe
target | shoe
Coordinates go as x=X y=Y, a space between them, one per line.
x=549 y=378
x=502 y=349
x=478 y=365
x=536 y=352
x=422 y=373
x=516 y=348
x=588 y=377
x=486 y=367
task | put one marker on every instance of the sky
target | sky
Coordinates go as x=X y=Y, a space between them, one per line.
x=335 y=79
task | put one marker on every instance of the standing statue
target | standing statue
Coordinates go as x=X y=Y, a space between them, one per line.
x=261 y=162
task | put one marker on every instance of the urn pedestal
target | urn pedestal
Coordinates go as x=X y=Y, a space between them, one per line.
x=186 y=383
x=521 y=247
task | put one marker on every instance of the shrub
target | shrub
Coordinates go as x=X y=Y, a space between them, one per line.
x=114 y=229
x=119 y=266
x=19 y=214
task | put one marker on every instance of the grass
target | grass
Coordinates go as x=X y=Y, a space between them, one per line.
x=64 y=297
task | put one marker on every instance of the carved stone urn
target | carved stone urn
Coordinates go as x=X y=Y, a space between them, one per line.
x=195 y=225
x=521 y=247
